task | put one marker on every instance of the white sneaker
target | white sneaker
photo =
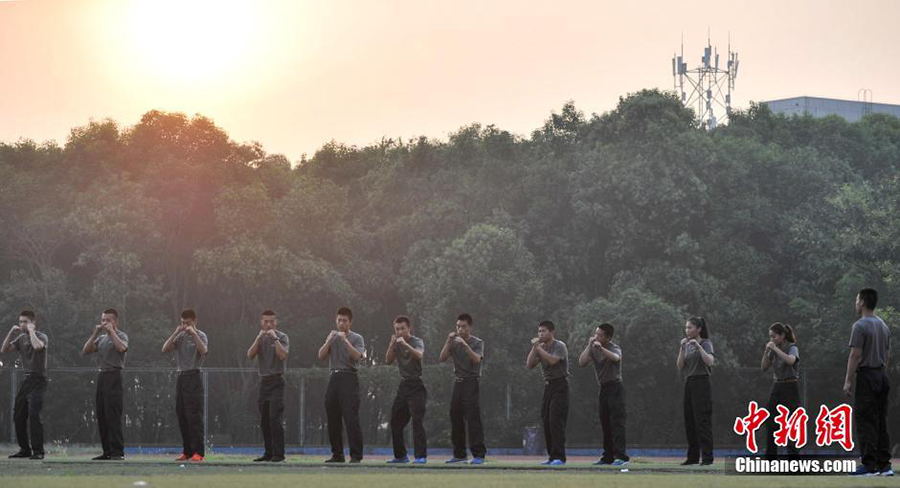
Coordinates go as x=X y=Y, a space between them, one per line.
x=886 y=472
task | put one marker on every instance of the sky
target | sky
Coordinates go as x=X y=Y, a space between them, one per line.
x=294 y=75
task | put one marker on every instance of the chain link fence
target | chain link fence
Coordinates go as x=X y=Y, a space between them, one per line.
x=510 y=402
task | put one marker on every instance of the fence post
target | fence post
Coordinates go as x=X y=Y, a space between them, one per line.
x=508 y=402
x=410 y=441
x=302 y=410
x=803 y=379
x=205 y=407
x=12 y=406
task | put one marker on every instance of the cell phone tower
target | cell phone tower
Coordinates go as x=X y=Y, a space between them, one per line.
x=708 y=87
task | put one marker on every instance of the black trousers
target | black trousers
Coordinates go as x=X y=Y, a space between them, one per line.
x=554 y=414
x=342 y=408
x=409 y=403
x=271 y=414
x=465 y=408
x=109 y=401
x=27 y=413
x=612 y=420
x=870 y=414
x=787 y=394
x=189 y=408
x=698 y=417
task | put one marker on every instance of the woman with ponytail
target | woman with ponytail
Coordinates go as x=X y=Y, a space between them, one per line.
x=695 y=358
x=782 y=356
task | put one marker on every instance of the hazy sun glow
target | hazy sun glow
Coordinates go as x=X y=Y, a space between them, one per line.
x=178 y=41
x=295 y=74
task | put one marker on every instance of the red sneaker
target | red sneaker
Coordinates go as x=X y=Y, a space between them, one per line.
x=196 y=458
x=183 y=457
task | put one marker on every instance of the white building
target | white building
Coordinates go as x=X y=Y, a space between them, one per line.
x=850 y=110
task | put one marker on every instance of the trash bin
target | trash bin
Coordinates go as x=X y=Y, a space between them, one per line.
x=532 y=441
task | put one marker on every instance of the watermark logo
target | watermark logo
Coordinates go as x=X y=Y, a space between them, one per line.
x=833 y=426
x=791 y=428
x=747 y=426
x=815 y=465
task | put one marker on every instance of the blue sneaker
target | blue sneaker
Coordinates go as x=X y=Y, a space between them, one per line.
x=402 y=460
x=547 y=462
x=557 y=462
x=619 y=462
x=457 y=460
x=863 y=471
x=477 y=461
x=420 y=461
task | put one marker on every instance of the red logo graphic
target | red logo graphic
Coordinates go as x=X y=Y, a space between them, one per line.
x=832 y=426
x=835 y=426
x=791 y=428
x=750 y=424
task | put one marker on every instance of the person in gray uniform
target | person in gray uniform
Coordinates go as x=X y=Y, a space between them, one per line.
x=343 y=348
x=110 y=345
x=407 y=350
x=31 y=345
x=870 y=343
x=467 y=352
x=781 y=354
x=191 y=346
x=606 y=356
x=553 y=356
x=695 y=360
x=271 y=347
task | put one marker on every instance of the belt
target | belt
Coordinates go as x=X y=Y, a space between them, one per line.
x=554 y=380
x=119 y=370
x=35 y=375
x=345 y=371
x=787 y=380
x=870 y=368
x=463 y=380
x=269 y=377
x=414 y=378
x=610 y=383
x=190 y=371
x=698 y=376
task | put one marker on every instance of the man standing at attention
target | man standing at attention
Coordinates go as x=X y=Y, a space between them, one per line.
x=606 y=356
x=407 y=350
x=465 y=404
x=32 y=348
x=343 y=348
x=191 y=346
x=553 y=357
x=271 y=346
x=110 y=344
x=870 y=341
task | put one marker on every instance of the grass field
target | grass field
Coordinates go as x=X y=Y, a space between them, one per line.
x=225 y=471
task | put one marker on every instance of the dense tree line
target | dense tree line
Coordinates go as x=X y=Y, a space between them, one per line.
x=635 y=217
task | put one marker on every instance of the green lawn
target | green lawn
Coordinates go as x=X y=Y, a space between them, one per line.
x=233 y=471
x=429 y=479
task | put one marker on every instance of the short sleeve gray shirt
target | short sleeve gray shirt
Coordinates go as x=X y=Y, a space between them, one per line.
x=693 y=361
x=463 y=366
x=872 y=336
x=559 y=350
x=606 y=369
x=339 y=357
x=187 y=355
x=407 y=364
x=34 y=361
x=269 y=363
x=108 y=356
x=782 y=370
